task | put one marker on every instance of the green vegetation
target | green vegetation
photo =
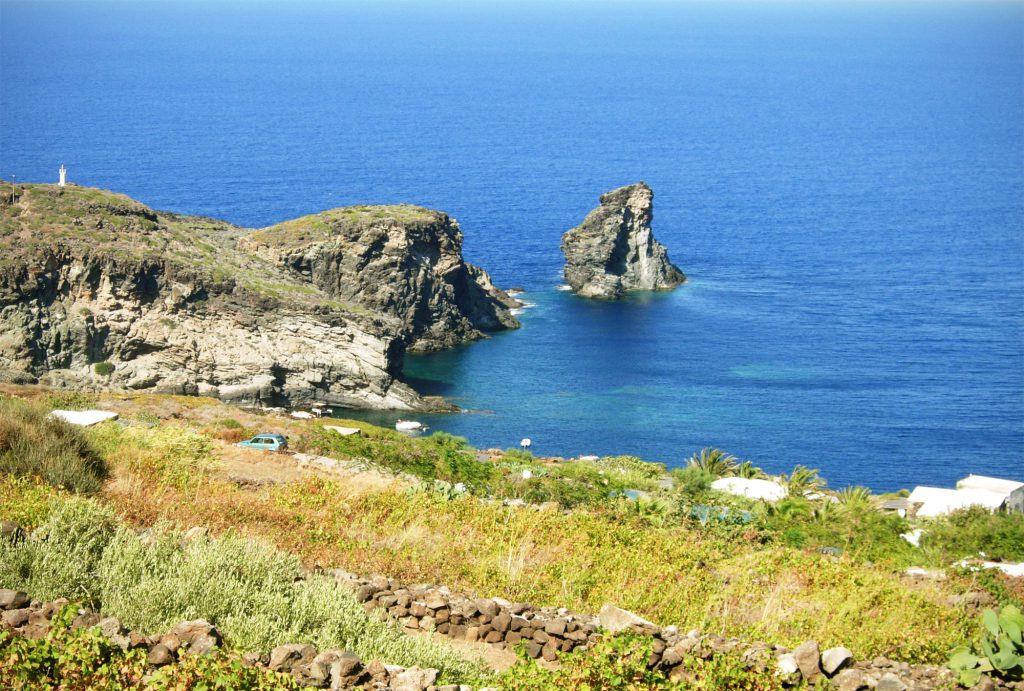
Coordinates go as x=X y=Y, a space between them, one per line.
x=679 y=553
x=325 y=225
x=103 y=368
x=249 y=590
x=998 y=651
x=104 y=225
x=975 y=531
x=35 y=444
x=620 y=662
x=84 y=659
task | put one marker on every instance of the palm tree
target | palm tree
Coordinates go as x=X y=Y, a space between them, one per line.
x=748 y=470
x=855 y=497
x=714 y=461
x=803 y=481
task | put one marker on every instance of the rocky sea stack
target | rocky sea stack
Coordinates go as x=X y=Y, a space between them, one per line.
x=99 y=292
x=613 y=250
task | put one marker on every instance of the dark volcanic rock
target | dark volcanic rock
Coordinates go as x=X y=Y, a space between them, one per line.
x=613 y=250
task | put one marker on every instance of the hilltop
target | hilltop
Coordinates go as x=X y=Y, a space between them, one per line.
x=98 y=291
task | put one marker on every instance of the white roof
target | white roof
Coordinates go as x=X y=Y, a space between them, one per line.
x=938 y=501
x=85 y=418
x=991 y=484
x=752 y=489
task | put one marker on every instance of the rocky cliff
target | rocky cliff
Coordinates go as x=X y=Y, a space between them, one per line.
x=403 y=260
x=613 y=250
x=97 y=291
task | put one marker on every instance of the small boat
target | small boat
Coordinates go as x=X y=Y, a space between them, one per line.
x=408 y=426
x=301 y=415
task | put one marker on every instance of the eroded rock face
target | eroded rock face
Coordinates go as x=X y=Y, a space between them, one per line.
x=407 y=263
x=613 y=250
x=173 y=304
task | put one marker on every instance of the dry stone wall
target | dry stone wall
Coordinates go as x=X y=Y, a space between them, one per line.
x=548 y=632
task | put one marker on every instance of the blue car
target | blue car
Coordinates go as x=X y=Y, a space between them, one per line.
x=267 y=442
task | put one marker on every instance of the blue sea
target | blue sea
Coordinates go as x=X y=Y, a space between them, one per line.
x=841 y=181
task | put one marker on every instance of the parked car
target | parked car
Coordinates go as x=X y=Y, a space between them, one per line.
x=267 y=442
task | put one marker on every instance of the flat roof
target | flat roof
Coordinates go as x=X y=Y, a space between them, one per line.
x=991 y=484
x=938 y=501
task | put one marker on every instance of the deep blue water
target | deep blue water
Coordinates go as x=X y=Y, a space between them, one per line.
x=843 y=182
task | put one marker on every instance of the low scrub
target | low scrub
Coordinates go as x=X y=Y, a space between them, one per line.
x=85 y=659
x=974 y=532
x=34 y=444
x=620 y=662
x=252 y=592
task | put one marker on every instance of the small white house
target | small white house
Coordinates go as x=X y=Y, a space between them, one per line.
x=1012 y=490
x=939 y=501
x=750 y=488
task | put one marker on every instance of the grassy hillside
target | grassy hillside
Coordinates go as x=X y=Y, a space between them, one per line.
x=561 y=534
x=323 y=226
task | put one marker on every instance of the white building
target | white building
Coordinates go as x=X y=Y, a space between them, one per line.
x=750 y=488
x=1012 y=490
x=63 y=175
x=939 y=501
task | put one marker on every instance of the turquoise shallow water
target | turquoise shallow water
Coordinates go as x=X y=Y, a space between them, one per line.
x=843 y=183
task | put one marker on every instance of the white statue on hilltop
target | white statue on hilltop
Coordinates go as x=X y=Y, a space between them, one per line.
x=63 y=175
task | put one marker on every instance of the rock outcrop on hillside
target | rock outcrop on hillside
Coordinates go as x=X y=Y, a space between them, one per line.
x=99 y=292
x=613 y=251
x=407 y=264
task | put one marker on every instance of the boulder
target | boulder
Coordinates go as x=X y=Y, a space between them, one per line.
x=11 y=532
x=346 y=669
x=850 y=680
x=13 y=599
x=834 y=660
x=188 y=631
x=890 y=682
x=159 y=656
x=613 y=251
x=413 y=679
x=284 y=657
x=555 y=627
x=808 y=658
x=312 y=674
x=16 y=617
x=787 y=664
x=614 y=619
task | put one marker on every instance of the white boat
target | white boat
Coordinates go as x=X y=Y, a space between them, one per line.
x=408 y=426
x=301 y=415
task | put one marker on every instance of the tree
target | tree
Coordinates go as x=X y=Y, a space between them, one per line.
x=803 y=481
x=714 y=461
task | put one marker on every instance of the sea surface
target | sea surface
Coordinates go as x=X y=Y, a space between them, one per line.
x=842 y=182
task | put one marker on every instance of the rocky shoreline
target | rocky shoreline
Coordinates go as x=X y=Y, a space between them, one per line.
x=101 y=293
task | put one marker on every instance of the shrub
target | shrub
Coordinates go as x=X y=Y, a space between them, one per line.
x=176 y=456
x=103 y=368
x=69 y=400
x=35 y=444
x=85 y=659
x=973 y=531
x=62 y=557
x=621 y=662
x=249 y=590
x=613 y=663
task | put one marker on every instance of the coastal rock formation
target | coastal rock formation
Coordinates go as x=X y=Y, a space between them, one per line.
x=613 y=250
x=99 y=292
x=404 y=261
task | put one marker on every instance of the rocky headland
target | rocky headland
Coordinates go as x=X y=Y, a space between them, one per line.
x=100 y=292
x=613 y=251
